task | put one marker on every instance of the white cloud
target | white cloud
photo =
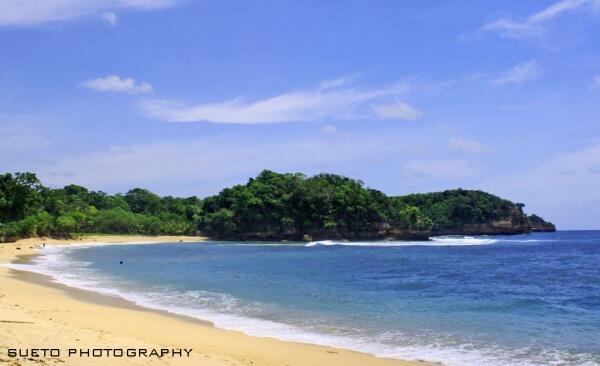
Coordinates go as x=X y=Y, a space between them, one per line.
x=110 y=18
x=330 y=129
x=399 y=110
x=439 y=169
x=205 y=165
x=305 y=105
x=520 y=73
x=564 y=177
x=19 y=136
x=534 y=24
x=567 y=185
x=114 y=83
x=29 y=12
x=466 y=145
x=334 y=83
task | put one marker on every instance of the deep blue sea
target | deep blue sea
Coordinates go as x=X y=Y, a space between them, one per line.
x=506 y=300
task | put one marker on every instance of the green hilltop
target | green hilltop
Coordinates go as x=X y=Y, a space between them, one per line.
x=271 y=206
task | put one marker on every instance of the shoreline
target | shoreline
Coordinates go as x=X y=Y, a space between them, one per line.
x=87 y=319
x=89 y=296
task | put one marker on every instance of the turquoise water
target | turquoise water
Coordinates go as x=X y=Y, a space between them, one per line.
x=514 y=300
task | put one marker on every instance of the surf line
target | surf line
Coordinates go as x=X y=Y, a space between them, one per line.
x=100 y=352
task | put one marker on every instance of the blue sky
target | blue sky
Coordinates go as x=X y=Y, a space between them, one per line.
x=187 y=97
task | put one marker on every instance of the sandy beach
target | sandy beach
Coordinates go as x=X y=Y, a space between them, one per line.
x=36 y=313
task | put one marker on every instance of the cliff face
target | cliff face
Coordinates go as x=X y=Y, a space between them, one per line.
x=389 y=233
x=500 y=227
x=538 y=224
x=384 y=232
x=514 y=223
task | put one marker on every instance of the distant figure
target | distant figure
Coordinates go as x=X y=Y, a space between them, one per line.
x=44 y=245
x=120 y=262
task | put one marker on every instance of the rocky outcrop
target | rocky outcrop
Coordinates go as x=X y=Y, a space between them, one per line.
x=384 y=233
x=492 y=228
x=514 y=223
x=538 y=224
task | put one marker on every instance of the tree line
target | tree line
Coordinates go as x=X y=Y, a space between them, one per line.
x=271 y=206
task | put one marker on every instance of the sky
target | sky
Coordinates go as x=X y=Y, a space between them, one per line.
x=186 y=97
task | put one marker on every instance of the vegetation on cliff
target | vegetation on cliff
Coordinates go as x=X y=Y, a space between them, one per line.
x=465 y=211
x=292 y=205
x=271 y=206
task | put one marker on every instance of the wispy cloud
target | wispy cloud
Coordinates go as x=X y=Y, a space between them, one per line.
x=330 y=129
x=439 y=169
x=596 y=81
x=114 y=83
x=466 y=145
x=110 y=18
x=330 y=103
x=230 y=158
x=29 y=12
x=571 y=180
x=534 y=25
x=520 y=73
x=19 y=134
x=334 y=83
x=399 y=110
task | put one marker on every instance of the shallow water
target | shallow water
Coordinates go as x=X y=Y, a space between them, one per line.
x=518 y=300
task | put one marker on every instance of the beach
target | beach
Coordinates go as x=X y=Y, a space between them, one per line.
x=36 y=313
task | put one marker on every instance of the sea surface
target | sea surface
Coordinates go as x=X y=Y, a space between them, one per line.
x=502 y=300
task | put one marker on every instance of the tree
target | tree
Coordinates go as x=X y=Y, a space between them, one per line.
x=221 y=223
x=20 y=196
x=115 y=220
x=143 y=201
x=65 y=225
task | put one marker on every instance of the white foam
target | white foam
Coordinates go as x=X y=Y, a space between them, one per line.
x=463 y=240
x=434 y=241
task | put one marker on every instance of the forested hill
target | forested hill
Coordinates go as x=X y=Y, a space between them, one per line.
x=471 y=212
x=271 y=206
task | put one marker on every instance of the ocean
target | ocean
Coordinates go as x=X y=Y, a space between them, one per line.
x=501 y=300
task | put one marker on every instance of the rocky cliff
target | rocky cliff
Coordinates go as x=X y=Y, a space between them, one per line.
x=383 y=232
x=538 y=224
x=515 y=222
